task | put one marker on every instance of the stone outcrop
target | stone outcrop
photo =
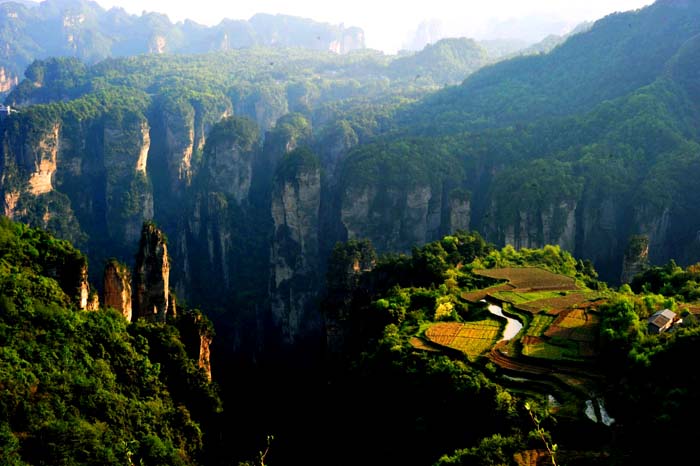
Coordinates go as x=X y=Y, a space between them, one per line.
x=40 y=161
x=7 y=80
x=197 y=335
x=157 y=44
x=152 y=276
x=294 y=253
x=459 y=211
x=636 y=258
x=117 y=288
x=83 y=289
x=536 y=227
x=394 y=218
x=125 y=149
x=228 y=159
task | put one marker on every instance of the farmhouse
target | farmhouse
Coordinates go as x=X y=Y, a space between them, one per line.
x=661 y=321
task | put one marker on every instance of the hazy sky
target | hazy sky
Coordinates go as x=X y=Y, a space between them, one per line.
x=389 y=24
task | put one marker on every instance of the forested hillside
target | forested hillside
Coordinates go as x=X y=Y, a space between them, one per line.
x=84 y=30
x=87 y=387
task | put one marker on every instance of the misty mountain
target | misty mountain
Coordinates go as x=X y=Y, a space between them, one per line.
x=83 y=29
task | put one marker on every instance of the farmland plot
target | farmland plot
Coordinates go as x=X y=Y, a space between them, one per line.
x=471 y=338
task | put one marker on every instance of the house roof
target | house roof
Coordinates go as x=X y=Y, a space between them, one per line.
x=661 y=318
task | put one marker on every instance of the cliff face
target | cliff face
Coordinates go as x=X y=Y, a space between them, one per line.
x=7 y=80
x=636 y=258
x=197 y=334
x=536 y=227
x=152 y=276
x=117 y=288
x=228 y=166
x=460 y=211
x=125 y=149
x=296 y=199
x=206 y=241
x=393 y=217
x=29 y=163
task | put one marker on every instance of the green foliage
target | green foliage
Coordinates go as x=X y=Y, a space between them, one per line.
x=671 y=281
x=447 y=61
x=233 y=131
x=85 y=387
x=296 y=163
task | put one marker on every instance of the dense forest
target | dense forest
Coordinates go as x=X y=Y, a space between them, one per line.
x=415 y=371
x=351 y=223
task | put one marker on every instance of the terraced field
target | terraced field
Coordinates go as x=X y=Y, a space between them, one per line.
x=556 y=304
x=478 y=295
x=471 y=338
x=571 y=335
x=530 y=278
x=540 y=323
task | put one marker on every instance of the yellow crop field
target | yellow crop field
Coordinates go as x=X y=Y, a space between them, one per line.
x=471 y=338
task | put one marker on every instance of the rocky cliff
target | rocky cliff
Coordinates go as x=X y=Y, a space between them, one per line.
x=636 y=258
x=152 y=276
x=117 y=288
x=197 y=333
x=7 y=80
x=296 y=200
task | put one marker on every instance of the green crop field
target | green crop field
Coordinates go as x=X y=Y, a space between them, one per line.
x=559 y=303
x=521 y=297
x=539 y=325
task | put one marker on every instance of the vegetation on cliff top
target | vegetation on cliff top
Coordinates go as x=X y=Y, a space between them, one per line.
x=580 y=340
x=87 y=387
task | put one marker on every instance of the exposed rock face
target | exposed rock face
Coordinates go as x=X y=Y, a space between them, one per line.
x=41 y=162
x=180 y=148
x=130 y=198
x=93 y=303
x=197 y=334
x=152 y=276
x=10 y=203
x=536 y=227
x=394 y=218
x=636 y=258
x=204 y=360
x=655 y=227
x=460 y=211
x=294 y=255
x=157 y=44
x=228 y=161
x=7 y=80
x=83 y=289
x=117 y=288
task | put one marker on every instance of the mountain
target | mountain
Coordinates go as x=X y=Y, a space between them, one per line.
x=83 y=29
x=619 y=54
x=316 y=206
x=584 y=147
x=448 y=61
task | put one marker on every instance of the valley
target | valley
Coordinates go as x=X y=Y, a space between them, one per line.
x=261 y=242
